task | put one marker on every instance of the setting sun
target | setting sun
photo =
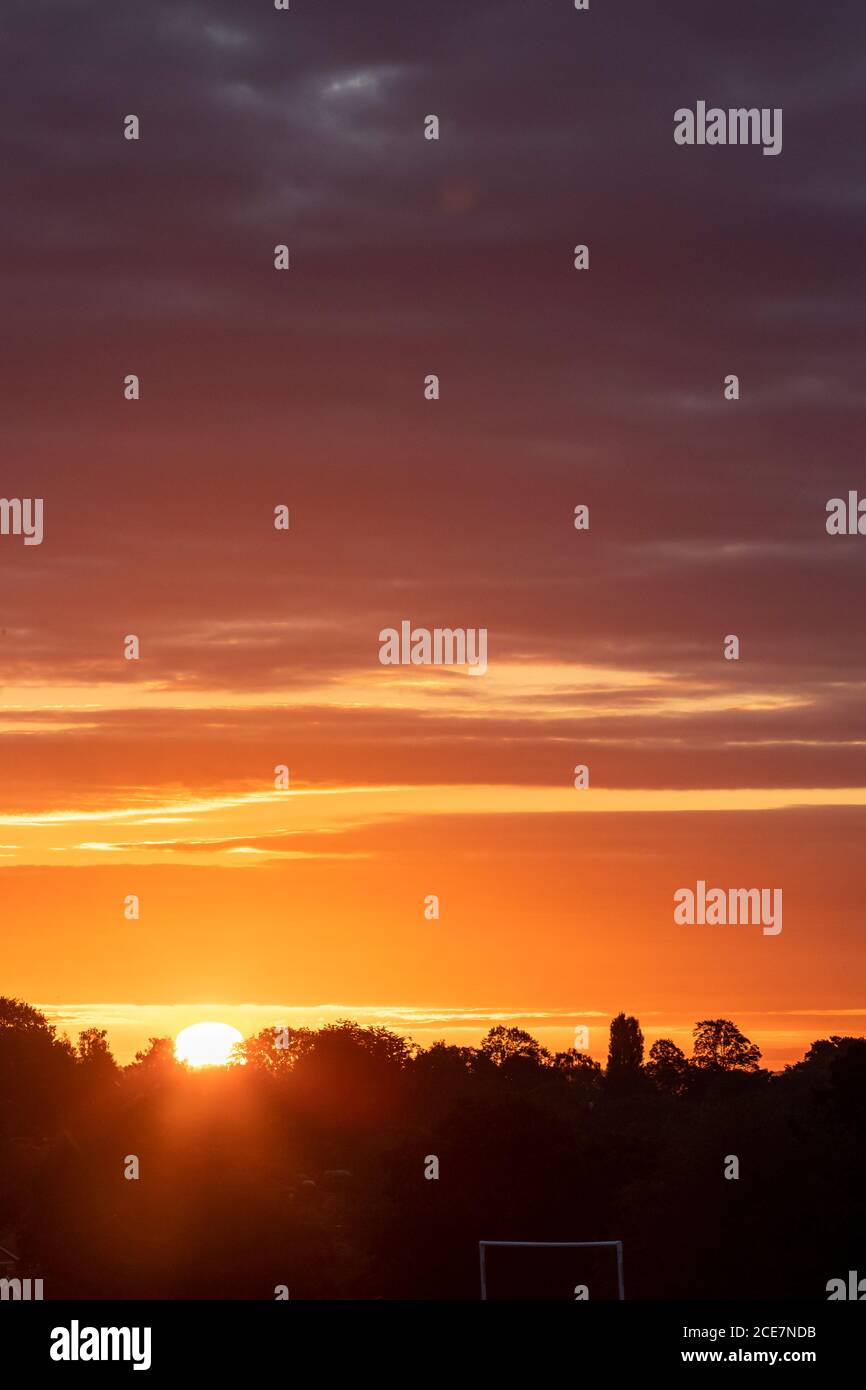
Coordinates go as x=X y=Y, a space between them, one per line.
x=206 y=1044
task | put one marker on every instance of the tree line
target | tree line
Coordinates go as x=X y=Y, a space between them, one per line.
x=306 y=1165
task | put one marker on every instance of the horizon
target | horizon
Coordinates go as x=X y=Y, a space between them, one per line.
x=130 y=1027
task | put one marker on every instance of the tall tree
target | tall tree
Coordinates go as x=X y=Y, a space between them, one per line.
x=35 y=1070
x=625 y=1051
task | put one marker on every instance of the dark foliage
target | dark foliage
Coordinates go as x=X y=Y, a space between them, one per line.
x=306 y=1166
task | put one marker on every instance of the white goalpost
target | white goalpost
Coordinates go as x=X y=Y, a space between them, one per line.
x=484 y=1245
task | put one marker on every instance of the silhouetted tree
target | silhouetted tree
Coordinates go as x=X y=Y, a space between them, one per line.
x=443 y=1059
x=625 y=1055
x=572 y=1061
x=581 y=1075
x=513 y=1049
x=36 y=1069
x=720 y=1046
x=668 y=1067
x=353 y=1073
x=848 y=1084
x=444 y=1076
x=93 y=1049
x=276 y=1050
x=821 y=1054
x=155 y=1065
x=96 y=1069
x=21 y=1018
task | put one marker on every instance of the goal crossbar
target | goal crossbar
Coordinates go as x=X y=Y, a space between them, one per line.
x=484 y=1245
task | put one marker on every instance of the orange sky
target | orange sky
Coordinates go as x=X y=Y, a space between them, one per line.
x=306 y=389
x=260 y=907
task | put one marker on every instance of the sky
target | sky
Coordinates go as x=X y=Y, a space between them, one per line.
x=305 y=388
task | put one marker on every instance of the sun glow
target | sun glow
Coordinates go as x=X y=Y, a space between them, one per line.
x=206 y=1044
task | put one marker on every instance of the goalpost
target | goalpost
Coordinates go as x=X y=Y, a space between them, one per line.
x=552 y=1245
